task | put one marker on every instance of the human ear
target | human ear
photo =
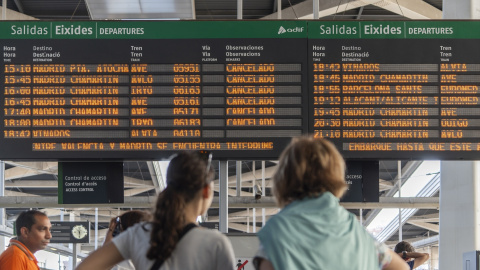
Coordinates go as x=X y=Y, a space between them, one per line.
x=206 y=191
x=24 y=231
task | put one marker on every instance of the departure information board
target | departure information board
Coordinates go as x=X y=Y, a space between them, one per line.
x=242 y=89
x=396 y=89
x=143 y=90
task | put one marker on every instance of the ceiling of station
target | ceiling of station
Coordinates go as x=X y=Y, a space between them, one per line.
x=40 y=178
x=224 y=10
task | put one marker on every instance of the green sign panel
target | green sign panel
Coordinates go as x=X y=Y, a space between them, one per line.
x=152 y=29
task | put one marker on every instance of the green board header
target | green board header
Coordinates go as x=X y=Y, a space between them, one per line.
x=152 y=29
x=239 y=29
x=394 y=29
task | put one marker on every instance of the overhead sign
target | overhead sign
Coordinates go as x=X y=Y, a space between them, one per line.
x=72 y=232
x=362 y=180
x=242 y=89
x=90 y=182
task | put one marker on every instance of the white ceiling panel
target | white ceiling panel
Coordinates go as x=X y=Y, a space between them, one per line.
x=140 y=9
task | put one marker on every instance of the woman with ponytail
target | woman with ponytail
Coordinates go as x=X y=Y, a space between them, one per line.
x=173 y=240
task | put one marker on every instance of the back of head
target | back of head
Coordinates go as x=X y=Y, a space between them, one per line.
x=404 y=246
x=133 y=217
x=187 y=173
x=308 y=167
x=27 y=219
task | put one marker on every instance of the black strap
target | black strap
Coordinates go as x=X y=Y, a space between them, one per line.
x=158 y=263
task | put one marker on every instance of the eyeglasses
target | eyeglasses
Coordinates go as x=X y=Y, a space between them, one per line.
x=118 y=228
x=204 y=155
x=207 y=156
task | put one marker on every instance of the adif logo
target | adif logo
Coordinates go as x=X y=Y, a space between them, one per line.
x=297 y=29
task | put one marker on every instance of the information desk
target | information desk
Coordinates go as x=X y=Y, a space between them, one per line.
x=242 y=89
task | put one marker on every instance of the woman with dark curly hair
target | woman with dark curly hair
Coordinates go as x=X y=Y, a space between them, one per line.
x=173 y=240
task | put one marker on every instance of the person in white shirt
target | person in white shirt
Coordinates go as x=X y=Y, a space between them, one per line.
x=165 y=243
x=122 y=223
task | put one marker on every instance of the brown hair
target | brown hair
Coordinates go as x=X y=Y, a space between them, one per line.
x=404 y=246
x=133 y=217
x=308 y=167
x=186 y=175
x=27 y=219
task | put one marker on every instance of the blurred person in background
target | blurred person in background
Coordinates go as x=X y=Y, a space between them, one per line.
x=122 y=223
x=407 y=252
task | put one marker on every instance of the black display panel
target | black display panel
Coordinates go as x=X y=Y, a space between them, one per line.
x=362 y=181
x=145 y=98
x=70 y=232
x=90 y=182
x=396 y=90
x=242 y=89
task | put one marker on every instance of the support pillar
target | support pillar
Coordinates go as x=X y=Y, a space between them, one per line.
x=239 y=178
x=459 y=211
x=254 y=211
x=279 y=9
x=75 y=252
x=4 y=10
x=316 y=8
x=96 y=228
x=433 y=257
x=263 y=192
x=399 y=173
x=254 y=222
x=239 y=9
x=3 y=216
x=73 y=247
x=223 y=194
x=459 y=186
